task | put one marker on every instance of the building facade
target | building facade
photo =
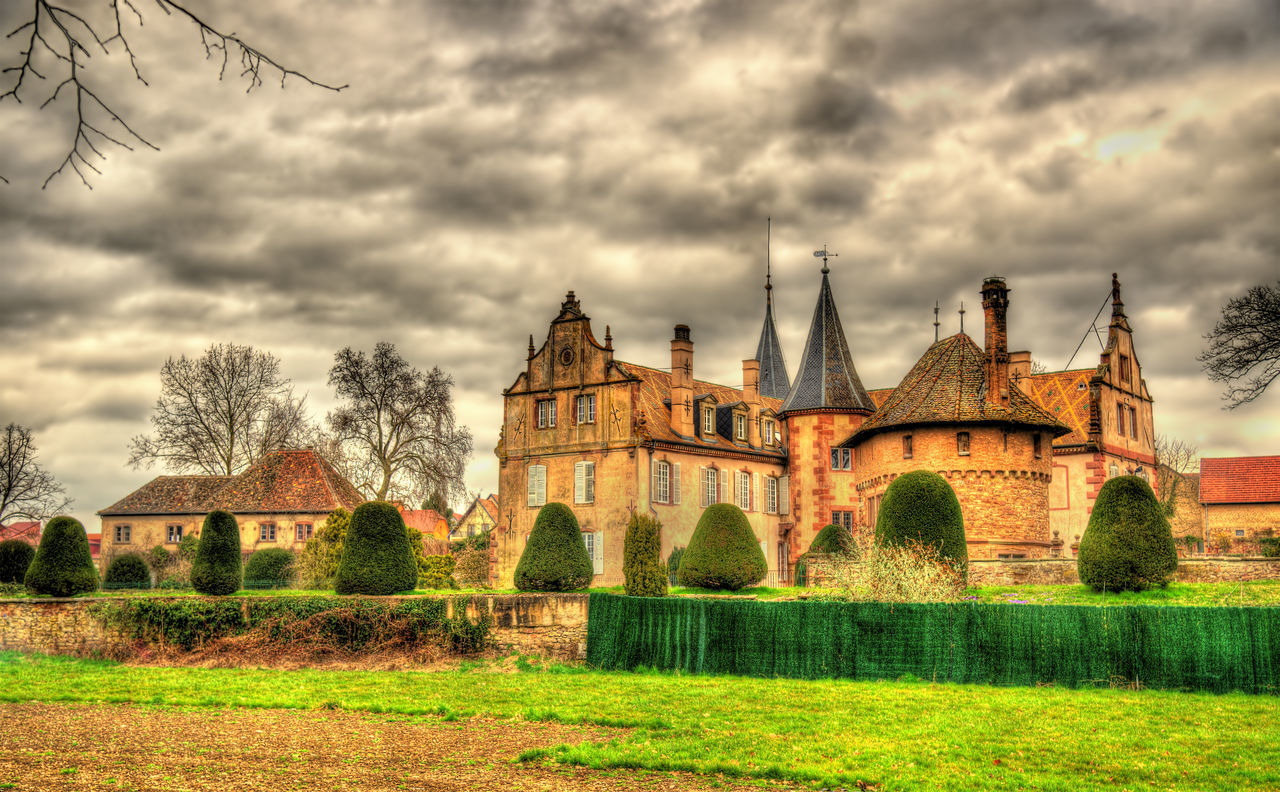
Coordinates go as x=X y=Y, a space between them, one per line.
x=1241 y=501
x=1026 y=453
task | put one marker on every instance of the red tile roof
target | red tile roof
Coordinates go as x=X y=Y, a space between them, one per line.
x=429 y=521
x=946 y=387
x=284 y=482
x=490 y=505
x=655 y=389
x=1065 y=396
x=28 y=532
x=1240 y=479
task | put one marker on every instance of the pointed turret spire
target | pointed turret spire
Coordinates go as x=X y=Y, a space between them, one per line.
x=774 y=381
x=827 y=377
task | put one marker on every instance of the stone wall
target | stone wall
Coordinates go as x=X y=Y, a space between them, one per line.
x=550 y=625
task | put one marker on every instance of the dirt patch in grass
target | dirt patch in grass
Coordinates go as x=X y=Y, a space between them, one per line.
x=123 y=747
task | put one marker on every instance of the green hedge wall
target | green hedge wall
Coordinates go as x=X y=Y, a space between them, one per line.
x=1214 y=649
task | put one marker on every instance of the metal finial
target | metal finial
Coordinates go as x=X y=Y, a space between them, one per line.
x=768 y=261
x=824 y=254
x=935 y=321
x=962 y=316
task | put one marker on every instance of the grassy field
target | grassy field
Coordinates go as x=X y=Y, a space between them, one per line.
x=903 y=735
x=1253 y=593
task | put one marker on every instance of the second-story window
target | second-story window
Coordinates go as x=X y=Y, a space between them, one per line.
x=173 y=534
x=767 y=432
x=584 y=482
x=710 y=486
x=906 y=446
x=546 y=413
x=740 y=427
x=771 y=494
x=842 y=459
x=587 y=408
x=1120 y=410
x=662 y=482
x=709 y=421
x=962 y=443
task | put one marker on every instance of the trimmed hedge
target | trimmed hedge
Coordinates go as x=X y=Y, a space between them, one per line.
x=642 y=567
x=1181 y=648
x=270 y=568
x=1128 y=544
x=920 y=506
x=723 y=553
x=63 y=566
x=376 y=556
x=15 y=558
x=128 y=571
x=555 y=557
x=833 y=539
x=439 y=572
x=217 y=566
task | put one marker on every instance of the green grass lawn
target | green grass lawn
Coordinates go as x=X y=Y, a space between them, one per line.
x=1253 y=593
x=903 y=735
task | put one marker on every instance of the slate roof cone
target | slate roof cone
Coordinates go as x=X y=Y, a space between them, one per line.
x=774 y=381
x=827 y=378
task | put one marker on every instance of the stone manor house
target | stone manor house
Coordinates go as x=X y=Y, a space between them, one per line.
x=1025 y=452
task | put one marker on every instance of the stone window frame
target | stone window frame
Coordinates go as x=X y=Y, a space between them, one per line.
x=844 y=519
x=586 y=404
x=740 y=426
x=303 y=531
x=546 y=412
x=709 y=420
x=766 y=431
x=962 y=443
x=907 y=451
x=661 y=481
x=710 y=486
x=173 y=533
x=742 y=489
x=771 y=490
x=123 y=533
x=266 y=532
x=842 y=459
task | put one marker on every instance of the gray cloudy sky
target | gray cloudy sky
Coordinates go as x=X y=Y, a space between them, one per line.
x=489 y=156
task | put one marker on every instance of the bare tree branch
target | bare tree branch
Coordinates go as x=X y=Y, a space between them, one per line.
x=220 y=413
x=55 y=30
x=1174 y=460
x=1244 y=347
x=397 y=426
x=26 y=489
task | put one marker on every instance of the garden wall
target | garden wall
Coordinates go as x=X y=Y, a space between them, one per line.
x=551 y=625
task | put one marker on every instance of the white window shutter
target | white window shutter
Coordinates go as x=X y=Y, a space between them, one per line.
x=579 y=483
x=675 y=483
x=653 y=481
x=724 y=487
x=598 y=549
x=755 y=492
x=784 y=494
x=542 y=485
x=702 y=486
x=589 y=474
x=533 y=485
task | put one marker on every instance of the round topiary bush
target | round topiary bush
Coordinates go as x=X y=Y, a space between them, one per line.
x=269 y=568
x=555 y=557
x=1128 y=544
x=642 y=567
x=920 y=506
x=833 y=539
x=15 y=557
x=63 y=566
x=376 y=556
x=217 y=567
x=723 y=553
x=129 y=571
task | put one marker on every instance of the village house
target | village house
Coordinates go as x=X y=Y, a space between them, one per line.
x=1026 y=452
x=480 y=517
x=1241 y=500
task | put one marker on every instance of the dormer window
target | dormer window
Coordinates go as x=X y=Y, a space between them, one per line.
x=767 y=432
x=740 y=427
x=709 y=421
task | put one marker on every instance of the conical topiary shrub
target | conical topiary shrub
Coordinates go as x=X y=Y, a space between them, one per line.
x=642 y=567
x=1128 y=544
x=723 y=553
x=128 y=571
x=920 y=506
x=217 y=567
x=15 y=558
x=376 y=556
x=555 y=557
x=63 y=566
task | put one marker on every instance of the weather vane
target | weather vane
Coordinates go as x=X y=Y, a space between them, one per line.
x=824 y=254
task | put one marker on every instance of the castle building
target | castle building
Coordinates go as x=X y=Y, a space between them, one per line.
x=1026 y=453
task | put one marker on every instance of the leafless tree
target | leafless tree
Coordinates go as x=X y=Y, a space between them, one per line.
x=1244 y=347
x=397 y=425
x=61 y=40
x=26 y=489
x=1174 y=460
x=221 y=412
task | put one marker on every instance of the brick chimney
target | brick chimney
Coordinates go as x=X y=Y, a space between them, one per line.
x=682 y=419
x=751 y=395
x=995 y=308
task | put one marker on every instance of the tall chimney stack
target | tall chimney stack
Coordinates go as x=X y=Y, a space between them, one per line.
x=995 y=308
x=751 y=395
x=682 y=418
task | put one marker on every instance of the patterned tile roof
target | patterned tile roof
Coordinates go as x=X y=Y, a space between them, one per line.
x=1065 y=396
x=655 y=392
x=774 y=381
x=170 y=495
x=826 y=377
x=946 y=386
x=1240 y=479
x=289 y=481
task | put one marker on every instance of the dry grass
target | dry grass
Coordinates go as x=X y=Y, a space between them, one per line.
x=909 y=573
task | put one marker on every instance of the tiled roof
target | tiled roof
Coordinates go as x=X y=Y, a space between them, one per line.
x=170 y=495
x=655 y=389
x=774 y=381
x=289 y=481
x=1240 y=479
x=429 y=521
x=826 y=377
x=490 y=505
x=946 y=387
x=28 y=531
x=1065 y=396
